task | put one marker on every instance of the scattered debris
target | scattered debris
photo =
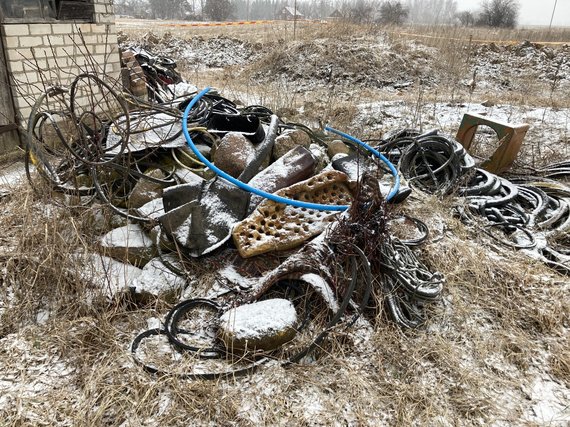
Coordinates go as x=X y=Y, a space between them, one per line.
x=195 y=170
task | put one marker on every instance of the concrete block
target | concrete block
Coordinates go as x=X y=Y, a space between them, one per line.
x=85 y=28
x=16 y=66
x=31 y=76
x=112 y=276
x=16 y=29
x=23 y=105
x=99 y=59
x=157 y=281
x=41 y=63
x=129 y=243
x=103 y=49
x=62 y=28
x=103 y=39
x=263 y=325
x=90 y=38
x=12 y=42
x=13 y=55
x=79 y=60
x=100 y=8
x=55 y=63
x=104 y=19
x=40 y=29
x=19 y=54
x=65 y=51
x=98 y=29
x=41 y=52
x=31 y=41
x=56 y=40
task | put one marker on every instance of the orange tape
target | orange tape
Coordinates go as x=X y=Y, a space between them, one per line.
x=223 y=24
x=216 y=24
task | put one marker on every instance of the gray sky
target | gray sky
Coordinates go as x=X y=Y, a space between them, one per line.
x=532 y=12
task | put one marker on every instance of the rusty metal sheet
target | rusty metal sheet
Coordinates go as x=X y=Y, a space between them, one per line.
x=510 y=138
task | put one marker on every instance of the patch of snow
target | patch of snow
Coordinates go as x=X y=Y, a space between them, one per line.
x=322 y=287
x=230 y=274
x=108 y=274
x=157 y=279
x=153 y=209
x=28 y=374
x=182 y=89
x=12 y=174
x=551 y=402
x=42 y=316
x=129 y=236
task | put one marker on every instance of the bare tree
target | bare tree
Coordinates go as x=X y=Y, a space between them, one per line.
x=499 y=13
x=466 y=18
x=218 y=10
x=393 y=12
x=361 y=11
x=432 y=11
x=169 y=9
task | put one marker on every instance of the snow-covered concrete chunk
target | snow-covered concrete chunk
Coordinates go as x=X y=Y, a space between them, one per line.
x=112 y=276
x=129 y=243
x=157 y=280
x=262 y=325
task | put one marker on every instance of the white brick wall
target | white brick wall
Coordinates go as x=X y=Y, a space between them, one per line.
x=39 y=53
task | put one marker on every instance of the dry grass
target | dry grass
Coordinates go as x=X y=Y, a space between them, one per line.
x=560 y=362
x=438 y=34
x=484 y=339
x=502 y=322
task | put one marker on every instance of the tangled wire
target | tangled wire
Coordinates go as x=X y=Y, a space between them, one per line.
x=403 y=283
x=364 y=267
x=522 y=213
x=431 y=161
x=93 y=141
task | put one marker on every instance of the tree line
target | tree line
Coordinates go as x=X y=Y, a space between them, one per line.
x=493 y=13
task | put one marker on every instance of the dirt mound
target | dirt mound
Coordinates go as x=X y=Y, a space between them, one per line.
x=352 y=62
x=379 y=61
x=213 y=52
x=505 y=64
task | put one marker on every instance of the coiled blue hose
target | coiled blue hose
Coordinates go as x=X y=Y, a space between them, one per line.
x=271 y=196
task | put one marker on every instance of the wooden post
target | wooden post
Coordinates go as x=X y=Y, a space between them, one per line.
x=294 y=19
x=9 y=137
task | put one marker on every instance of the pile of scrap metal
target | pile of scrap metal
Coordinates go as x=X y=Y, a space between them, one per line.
x=148 y=75
x=530 y=212
x=308 y=209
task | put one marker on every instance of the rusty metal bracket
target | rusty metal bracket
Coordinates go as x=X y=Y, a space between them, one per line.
x=510 y=140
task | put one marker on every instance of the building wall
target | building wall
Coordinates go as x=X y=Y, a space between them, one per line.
x=40 y=55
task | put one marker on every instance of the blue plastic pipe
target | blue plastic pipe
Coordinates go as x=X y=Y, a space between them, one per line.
x=270 y=196
x=378 y=154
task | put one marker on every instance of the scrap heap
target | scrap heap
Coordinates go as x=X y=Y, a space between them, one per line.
x=296 y=219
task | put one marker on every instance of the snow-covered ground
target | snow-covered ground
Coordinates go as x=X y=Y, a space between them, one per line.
x=487 y=356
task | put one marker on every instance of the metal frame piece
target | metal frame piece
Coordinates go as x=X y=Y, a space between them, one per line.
x=510 y=140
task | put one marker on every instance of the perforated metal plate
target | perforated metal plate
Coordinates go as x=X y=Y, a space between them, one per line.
x=275 y=226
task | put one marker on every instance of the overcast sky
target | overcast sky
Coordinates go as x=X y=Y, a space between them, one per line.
x=532 y=12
